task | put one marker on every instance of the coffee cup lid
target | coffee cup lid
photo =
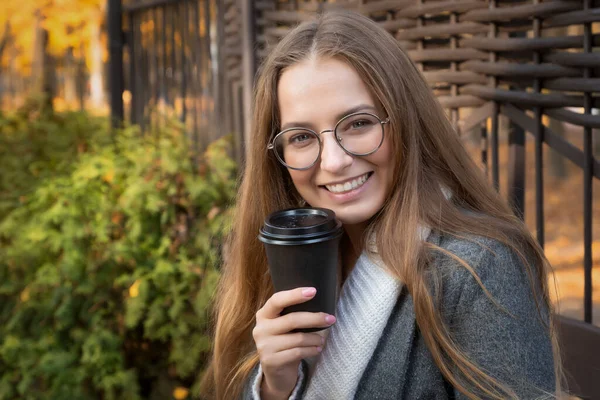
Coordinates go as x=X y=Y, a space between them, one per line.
x=301 y=223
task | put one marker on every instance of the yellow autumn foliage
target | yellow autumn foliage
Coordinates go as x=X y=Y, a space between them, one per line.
x=69 y=24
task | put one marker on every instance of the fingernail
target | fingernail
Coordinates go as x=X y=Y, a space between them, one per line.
x=309 y=292
x=330 y=319
x=319 y=349
x=322 y=340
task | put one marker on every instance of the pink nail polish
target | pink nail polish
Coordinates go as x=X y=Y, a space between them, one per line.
x=319 y=349
x=330 y=319
x=309 y=292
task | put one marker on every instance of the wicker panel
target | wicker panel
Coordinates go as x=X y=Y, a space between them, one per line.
x=528 y=53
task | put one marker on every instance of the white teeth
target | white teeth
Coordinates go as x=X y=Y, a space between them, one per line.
x=347 y=186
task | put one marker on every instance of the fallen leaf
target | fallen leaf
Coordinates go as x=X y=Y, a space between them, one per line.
x=109 y=176
x=25 y=295
x=134 y=289
x=180 y=393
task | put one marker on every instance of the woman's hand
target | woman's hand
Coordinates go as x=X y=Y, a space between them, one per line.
x=280 y=351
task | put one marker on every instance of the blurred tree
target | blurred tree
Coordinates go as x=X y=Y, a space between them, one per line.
x=4 y=36
x=42 y=62
x=48 y=34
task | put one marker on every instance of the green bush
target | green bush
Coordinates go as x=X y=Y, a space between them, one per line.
x=35 y=146
x=109 y=255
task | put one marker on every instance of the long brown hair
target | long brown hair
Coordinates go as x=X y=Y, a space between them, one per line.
x=430 y=156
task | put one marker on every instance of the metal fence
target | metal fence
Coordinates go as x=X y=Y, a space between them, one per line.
x=525 y=61
x=179 y=59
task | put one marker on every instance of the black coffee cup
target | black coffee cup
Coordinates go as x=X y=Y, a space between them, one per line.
x=302 y=246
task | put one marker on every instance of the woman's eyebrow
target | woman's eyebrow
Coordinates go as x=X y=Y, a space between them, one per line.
x=357 y=108
x=360 y=107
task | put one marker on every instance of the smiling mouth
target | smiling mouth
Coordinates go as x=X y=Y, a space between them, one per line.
x=349 y=185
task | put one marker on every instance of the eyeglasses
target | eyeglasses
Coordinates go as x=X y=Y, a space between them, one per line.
x=358 y=134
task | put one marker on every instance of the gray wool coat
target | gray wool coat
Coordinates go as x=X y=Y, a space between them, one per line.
x=511 y=344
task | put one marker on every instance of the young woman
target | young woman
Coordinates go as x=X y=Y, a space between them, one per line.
x=443 y=292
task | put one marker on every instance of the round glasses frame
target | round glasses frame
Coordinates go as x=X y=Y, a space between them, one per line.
x=271 y=145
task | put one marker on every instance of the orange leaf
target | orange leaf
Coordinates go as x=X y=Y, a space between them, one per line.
x=180 y=393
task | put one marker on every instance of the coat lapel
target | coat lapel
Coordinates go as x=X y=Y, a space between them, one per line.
x=386 y=373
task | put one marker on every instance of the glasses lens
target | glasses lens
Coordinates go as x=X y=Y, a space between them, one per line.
x=298 y=148
x=360 y=133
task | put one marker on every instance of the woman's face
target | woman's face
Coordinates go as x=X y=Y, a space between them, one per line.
x=316 y=94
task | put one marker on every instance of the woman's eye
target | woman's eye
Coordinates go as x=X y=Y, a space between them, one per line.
x=299 y=138
x=361 y=123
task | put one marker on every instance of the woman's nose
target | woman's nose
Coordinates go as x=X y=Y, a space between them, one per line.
x=333 y=158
